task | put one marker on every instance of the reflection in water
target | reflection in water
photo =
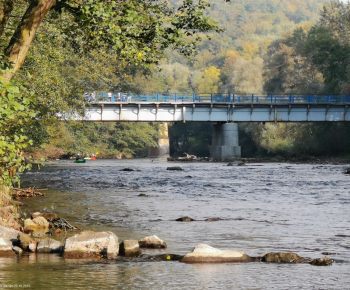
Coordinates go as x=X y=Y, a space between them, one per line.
x=262 y=208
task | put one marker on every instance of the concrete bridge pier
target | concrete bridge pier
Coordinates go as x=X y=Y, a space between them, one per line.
x=224 y=144
x=163 y=149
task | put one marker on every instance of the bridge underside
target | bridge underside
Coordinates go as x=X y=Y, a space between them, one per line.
x=216 y=112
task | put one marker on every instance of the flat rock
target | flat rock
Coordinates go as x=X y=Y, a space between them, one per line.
x=49 y=246
x=129 y=248
x=203 y=253
x=91 y=244
x=6 y=248
x=152 y=242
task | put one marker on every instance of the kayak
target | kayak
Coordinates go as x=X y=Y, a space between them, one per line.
x=80 y=161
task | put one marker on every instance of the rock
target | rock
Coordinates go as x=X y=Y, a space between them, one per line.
x=38 y=222
x=142 y=194
x=346 y=170
x=49 y=246
x=236 y=163
x=283 y=258
x=6 y=248
x=152 y=242
x=17 y=250
x=129 y=248
x=203 y=253
x=322 y=262
x=89 y=244
x=46 y=215
x=41 y=222
x=184 y=219
x=174 y=168
x=26 y=243
x=8 y=233
x=211 y=219
x=126 y=169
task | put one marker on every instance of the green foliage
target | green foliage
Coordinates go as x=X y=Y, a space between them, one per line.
x=193 y=138
x=16 y=114
x=109 y=139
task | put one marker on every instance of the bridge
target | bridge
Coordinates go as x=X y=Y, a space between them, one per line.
x=226 y=109
x=217 y=108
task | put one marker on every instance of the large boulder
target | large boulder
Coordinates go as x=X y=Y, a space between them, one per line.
x=8 y=233
x=49 y=246
x=291 y=258
x=26 y=243
x=152 y=242
x=129 y=248
x=6 y=248
x=203 y=253
x=90 y=244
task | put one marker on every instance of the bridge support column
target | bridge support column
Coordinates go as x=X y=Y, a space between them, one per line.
x=163 y=149
x=225 y=142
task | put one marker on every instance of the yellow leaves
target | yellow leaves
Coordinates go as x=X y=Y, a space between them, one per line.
x=250 y=50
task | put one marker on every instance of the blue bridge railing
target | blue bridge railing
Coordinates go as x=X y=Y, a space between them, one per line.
x=214 y=98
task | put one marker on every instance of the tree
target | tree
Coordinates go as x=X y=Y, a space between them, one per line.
x=137 y=30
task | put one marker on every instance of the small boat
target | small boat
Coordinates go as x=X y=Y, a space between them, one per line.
x=80 y=161
x=87 y=158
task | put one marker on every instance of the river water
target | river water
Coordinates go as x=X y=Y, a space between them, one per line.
x=267 y=207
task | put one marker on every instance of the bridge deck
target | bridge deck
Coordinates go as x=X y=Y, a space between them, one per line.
x=217 y=111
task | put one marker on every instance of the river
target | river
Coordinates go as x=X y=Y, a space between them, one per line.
x=267 y=207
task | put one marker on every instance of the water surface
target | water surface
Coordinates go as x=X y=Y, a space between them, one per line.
x=262 y=208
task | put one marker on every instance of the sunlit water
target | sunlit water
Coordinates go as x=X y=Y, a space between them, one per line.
x=300 y=208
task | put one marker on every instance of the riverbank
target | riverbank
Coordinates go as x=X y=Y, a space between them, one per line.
x=258 y=208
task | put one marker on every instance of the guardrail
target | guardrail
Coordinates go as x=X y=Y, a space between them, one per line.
x=215 y=98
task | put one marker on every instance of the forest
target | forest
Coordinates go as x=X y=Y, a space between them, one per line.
x=134 y=46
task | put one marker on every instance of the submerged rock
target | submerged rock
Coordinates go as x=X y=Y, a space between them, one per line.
x=322 y=262
x=283 y=258
x=129 y=248
x=126 y=169
x=90 y=244
x=174 y=168
x=236 y=163
x=152 y=242
x=46 y=215
x=185 y=219
x=203 y=253
x=49 y=246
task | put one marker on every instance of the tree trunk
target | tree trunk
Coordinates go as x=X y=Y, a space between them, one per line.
x=24 y=34
x=6 y=7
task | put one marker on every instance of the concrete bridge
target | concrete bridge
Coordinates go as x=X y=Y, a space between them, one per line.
x=225 y=109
